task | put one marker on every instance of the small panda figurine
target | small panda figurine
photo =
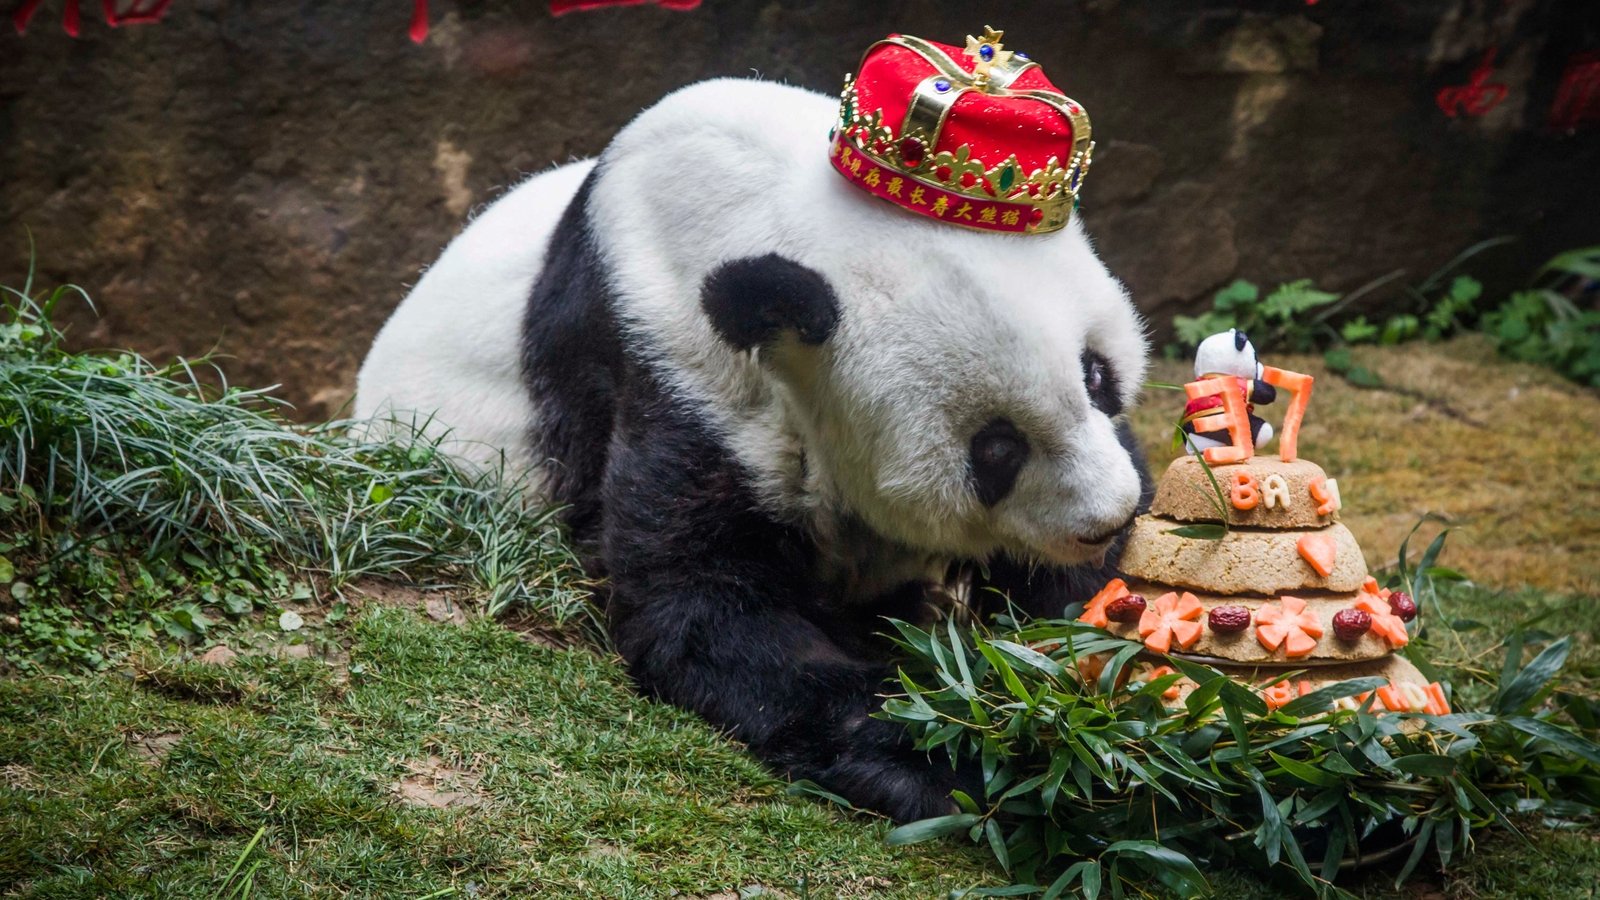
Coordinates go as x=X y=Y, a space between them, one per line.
x=1228 y=354
x=777 y=410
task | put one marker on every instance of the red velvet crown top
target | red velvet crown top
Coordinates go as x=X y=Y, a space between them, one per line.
x=979 y=137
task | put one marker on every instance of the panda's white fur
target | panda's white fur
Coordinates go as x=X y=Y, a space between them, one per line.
x=449 y=360
x=944 y=328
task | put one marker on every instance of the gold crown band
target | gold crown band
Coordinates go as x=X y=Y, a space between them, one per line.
x=1051 y=189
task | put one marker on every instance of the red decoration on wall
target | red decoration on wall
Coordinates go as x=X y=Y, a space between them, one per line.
x=1578 y=95
x=137 y=12
x=562 y=7
x=419 y=10
x=24 y=15
x=419 y=21
x=1477 y=96
x=131 y=12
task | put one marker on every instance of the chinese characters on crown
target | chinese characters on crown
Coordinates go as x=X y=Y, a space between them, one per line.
x=978 y=137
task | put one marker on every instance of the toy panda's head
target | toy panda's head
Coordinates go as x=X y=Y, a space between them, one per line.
x=1227 y=353
x=956 y=390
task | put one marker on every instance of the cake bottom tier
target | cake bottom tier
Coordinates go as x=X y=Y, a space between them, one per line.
x=1245 y=646
x=1405 y=688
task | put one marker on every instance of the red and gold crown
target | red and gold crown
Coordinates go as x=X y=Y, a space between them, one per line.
x=978 y=137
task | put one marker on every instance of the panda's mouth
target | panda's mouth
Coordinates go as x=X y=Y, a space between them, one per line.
x=1079 y=549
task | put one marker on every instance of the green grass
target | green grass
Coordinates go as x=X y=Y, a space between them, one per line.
x=138 y=500
x=584 y=789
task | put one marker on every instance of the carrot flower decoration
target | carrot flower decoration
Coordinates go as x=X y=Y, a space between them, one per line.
x=1171 y=618
x=1385 y=623
x=1287 y=624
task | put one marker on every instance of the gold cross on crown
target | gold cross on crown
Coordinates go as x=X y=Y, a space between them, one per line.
x=986 y=52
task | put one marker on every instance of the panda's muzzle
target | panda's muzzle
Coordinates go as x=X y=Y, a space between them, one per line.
x=1104 y=540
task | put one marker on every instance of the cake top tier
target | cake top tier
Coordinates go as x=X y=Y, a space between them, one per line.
x=1261 y=492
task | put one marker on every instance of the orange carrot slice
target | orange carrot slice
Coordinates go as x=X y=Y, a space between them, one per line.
x=1234 y=419
x=1327 y=498
x=1186 y=633
x=1299 y=644
x=1300 y=385
x=1385 y=623
x=1245 y=492
x=1278 y=695
x=1320 y=550
x=1437 y=704
x=1094 y=612
x=1393 y=698
x=1171 y=693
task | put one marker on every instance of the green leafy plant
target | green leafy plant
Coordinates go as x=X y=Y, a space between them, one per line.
x=1543 y=325
x=1277 y=320
x=1095 y=787
x=136 y=501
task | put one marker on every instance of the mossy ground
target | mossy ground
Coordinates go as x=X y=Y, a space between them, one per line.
x=434 y=756
x=397 y=756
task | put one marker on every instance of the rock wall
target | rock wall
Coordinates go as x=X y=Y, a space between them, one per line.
x=266 y=178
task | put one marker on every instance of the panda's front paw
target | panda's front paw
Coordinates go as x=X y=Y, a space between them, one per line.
x=881 y=771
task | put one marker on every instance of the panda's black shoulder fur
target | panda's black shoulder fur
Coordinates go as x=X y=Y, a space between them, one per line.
x=715 y=603
x=572 y=361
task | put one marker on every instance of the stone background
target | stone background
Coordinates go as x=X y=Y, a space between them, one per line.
x=266 y=178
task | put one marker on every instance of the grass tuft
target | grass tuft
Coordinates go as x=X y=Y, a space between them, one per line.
x=139 y=499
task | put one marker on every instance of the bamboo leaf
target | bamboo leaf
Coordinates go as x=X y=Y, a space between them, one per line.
x=1029 y=657
x=1430 y=764
x=1305 y=771
x=1559 y=737
x=930 y=829
x=1173 y=869
x=1323 y=697
x=1205 y=531
x=1515 y=696
x=997 y=844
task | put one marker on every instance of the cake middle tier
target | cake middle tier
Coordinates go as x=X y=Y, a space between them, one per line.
x=1244 y=643
x=1244 y=562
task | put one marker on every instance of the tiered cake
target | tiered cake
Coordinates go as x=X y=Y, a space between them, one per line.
x=1282 y=587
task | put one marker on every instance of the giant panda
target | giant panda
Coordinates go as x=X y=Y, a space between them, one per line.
x=777 y=410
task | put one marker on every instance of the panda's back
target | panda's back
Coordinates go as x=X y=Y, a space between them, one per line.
x=450 y=358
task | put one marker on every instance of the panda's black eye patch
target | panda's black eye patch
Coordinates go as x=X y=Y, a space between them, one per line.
x=998 y=453
x=1101 y=382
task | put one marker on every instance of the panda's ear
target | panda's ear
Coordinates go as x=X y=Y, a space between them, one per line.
x=754 y=299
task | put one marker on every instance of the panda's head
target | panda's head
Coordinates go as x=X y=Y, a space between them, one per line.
x=1227 y=353
x=958 y=391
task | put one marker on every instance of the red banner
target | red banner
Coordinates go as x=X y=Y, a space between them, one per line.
x=926 y=199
